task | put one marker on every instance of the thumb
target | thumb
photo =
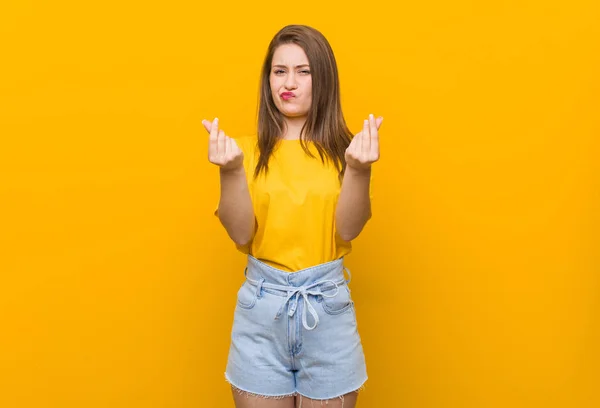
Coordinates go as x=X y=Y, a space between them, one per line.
x=207 y=125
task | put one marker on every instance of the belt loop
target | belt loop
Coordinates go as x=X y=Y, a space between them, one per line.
x=349 y=275
x=259 y=288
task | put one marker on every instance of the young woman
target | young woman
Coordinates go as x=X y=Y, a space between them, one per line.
x=293 y=198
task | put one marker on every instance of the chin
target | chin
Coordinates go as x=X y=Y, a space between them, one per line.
x=295 y=114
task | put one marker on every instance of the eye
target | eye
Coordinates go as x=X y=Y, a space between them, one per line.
x=305 y=71
x=278 y=71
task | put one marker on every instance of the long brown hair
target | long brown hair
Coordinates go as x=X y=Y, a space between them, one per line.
x=325 y=125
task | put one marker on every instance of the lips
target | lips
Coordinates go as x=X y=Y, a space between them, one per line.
x=287 y=95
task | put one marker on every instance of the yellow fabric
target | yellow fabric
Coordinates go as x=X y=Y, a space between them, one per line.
x=294 y=206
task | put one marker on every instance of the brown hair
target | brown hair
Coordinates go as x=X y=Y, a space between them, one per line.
x=325 y=125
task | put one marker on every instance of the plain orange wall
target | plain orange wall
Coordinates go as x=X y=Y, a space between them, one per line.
x=476 y=282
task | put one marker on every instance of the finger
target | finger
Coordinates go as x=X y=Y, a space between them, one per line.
x=206 y=125
x=372 y=127
x=213 y=146
x=221 y=142
x=366 y=139
x=228 y=145
x=375 y=139
x=358 y=146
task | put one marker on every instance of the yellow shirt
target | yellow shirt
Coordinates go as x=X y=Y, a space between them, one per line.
x=294 y=205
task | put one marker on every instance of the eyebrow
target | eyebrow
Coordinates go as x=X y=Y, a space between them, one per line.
x=297 y=66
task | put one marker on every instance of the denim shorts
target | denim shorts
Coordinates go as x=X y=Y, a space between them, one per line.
x=295 y=333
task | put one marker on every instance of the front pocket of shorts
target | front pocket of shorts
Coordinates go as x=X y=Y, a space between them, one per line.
x=246 y=296
x=338 y=303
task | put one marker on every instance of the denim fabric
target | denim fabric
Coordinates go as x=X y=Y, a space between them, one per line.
x=295 y=333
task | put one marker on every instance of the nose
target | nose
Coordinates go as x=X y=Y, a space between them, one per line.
x=290 y=82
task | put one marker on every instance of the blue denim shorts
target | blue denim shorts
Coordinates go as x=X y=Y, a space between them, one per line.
x=295 y=333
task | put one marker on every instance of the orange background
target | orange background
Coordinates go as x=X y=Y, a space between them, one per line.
x=476 y=282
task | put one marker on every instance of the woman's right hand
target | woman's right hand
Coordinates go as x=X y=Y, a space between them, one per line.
x=222 y=149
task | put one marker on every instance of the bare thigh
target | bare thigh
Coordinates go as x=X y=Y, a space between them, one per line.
x=345 y=401
x=245 y=400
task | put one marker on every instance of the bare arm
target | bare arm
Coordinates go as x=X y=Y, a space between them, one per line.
x=235 y=205
x=354 y=203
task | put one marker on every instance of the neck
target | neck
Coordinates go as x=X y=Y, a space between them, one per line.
x=293 y=127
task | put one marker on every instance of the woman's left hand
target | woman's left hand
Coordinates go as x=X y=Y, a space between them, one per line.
x=364 y=147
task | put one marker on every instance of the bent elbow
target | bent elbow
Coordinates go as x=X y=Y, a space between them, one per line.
x=347 y=236
x=350 y=232
x=241 y=239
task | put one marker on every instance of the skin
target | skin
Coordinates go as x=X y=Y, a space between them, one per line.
x=354 y=204
x=290 y=72
x=235 y=205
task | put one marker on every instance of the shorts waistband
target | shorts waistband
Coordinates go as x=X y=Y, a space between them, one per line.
x=334 y=270
x=303 y=283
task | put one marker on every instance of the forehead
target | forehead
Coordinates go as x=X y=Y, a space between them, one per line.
x=289 y=54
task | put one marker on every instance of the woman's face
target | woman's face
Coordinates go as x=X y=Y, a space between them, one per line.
x=290 y=80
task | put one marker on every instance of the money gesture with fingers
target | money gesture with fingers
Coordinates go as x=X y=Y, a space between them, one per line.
x=364 y=147
x=222 y=149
